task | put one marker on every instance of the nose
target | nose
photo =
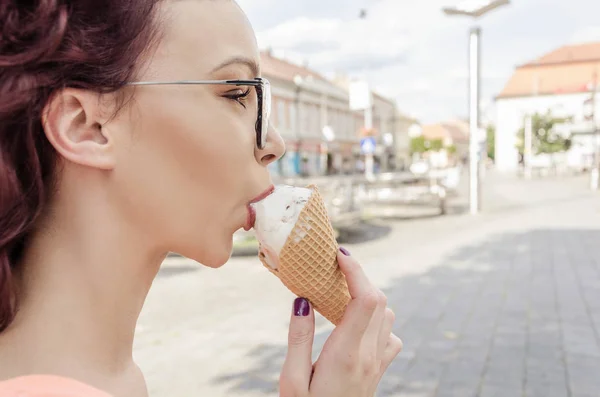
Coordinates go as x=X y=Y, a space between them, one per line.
x=273 y=150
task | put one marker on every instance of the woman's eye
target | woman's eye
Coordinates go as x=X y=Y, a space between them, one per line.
x=239 y=96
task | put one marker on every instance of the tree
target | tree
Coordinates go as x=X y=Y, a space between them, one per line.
x=491 y=141
x=545 y=137
x=436 y=145
x=418 y=144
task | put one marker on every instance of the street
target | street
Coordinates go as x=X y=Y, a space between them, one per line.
x=506 y=303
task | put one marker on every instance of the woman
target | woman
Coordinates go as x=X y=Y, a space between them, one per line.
x=108 y=161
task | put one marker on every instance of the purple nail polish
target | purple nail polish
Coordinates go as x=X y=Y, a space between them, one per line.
x=344 y=251
x=301 y=307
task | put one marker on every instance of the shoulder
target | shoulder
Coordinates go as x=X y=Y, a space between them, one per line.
x=47 y=386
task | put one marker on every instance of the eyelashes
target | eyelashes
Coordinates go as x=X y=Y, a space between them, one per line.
x=239 y=96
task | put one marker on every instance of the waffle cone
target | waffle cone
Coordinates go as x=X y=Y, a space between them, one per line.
x=308 y=261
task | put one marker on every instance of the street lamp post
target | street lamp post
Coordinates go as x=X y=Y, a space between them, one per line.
x=595 y=174
x=297 y=124
x=474 y=9
x=361 y=98
x=368 y=112
x=474 y=94
x=528 y=146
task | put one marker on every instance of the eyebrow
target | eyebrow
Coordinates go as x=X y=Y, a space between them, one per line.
x=250 y=63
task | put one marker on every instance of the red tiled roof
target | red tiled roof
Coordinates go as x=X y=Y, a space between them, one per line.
x=456 y=133
x=552 y=79
x=434 y=131
x=569 y=69
x=283 y=70
x=445 y=130
x=277 y=68
x=570 y=53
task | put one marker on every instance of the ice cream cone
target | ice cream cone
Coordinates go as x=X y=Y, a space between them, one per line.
x=308 y=261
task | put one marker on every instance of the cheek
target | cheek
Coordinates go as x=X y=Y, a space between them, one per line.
x=186 y=171
x=202 y=134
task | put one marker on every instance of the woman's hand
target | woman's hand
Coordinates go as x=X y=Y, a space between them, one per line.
x=356 y=354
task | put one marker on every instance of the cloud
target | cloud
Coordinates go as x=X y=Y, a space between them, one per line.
x=265 y=14
x=315 y=46
x=334 y=44
x=586 y=34
x=414 y=53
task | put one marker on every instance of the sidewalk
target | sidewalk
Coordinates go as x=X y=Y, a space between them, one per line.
x=506 y=303
x=512 y=306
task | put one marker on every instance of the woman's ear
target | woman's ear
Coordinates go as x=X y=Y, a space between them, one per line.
x=72 y=121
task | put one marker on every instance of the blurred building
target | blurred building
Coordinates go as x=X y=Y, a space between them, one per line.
x=454 y=135
x=322 y=134
x=561 y=81
x=391 y=129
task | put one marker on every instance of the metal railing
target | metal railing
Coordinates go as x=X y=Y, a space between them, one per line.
x=347 y=196
x=350 y=199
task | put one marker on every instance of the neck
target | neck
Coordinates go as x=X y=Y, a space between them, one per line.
x=85 y=275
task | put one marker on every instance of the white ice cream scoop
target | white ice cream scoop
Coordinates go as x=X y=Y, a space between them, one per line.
x=276 y=216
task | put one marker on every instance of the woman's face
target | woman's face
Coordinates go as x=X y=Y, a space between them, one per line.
x=187 y=163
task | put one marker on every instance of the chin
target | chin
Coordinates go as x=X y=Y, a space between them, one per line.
x=214 y=255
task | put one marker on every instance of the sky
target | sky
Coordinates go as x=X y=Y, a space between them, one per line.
x=413 y=53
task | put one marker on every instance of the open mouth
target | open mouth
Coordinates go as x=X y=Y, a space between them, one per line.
x=251 y=218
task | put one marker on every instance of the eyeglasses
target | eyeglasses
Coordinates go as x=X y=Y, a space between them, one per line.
x=263 y=93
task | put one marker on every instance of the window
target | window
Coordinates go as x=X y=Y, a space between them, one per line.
x=293 y=120
x=305 y=116
x=334 y=120
x=316 y=120
x=282 y=121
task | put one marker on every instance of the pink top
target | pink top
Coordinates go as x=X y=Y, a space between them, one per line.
x=47 y=386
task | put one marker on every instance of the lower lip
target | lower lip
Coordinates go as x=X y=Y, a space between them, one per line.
x=251 y=218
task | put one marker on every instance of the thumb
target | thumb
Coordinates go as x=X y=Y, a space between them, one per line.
x=297 y=368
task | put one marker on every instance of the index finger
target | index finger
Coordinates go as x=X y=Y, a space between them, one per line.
x=358 y=283
x=365 y=299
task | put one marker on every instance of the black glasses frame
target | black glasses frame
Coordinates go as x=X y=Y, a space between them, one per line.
x=263 y=92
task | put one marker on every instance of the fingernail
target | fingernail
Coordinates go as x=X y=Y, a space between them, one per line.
x=344 y=251
x=301 y=307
